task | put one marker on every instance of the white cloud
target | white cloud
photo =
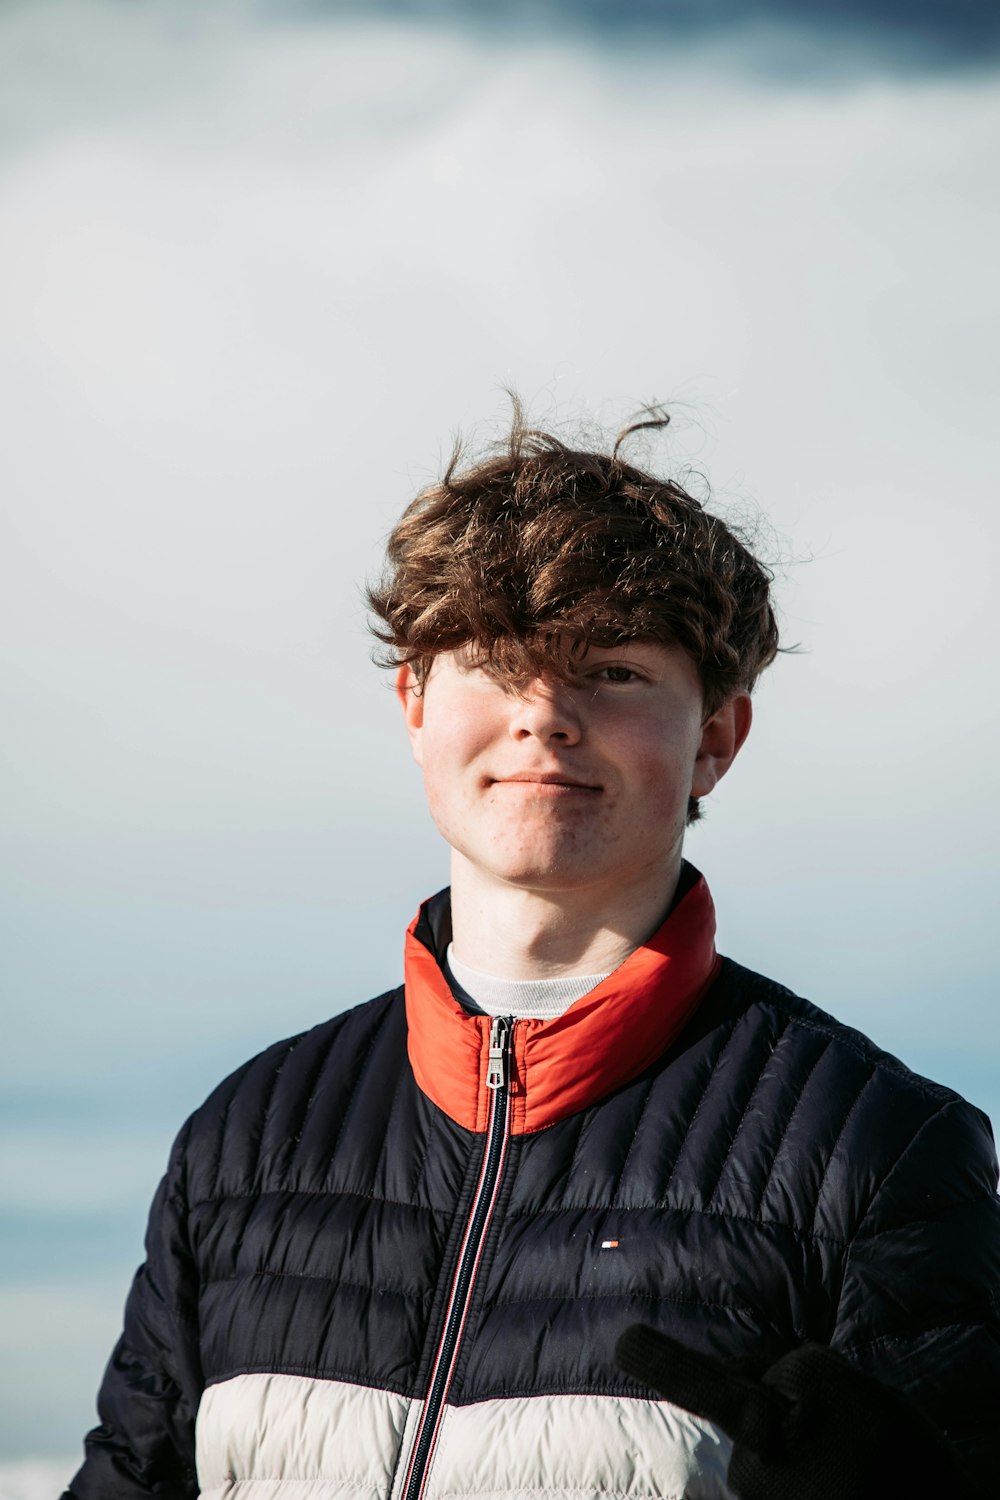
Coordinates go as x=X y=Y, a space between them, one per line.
x=244 y=311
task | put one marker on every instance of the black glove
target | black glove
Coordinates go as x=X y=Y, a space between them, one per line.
x=812 y=1428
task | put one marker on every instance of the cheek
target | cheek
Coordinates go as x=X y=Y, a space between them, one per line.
x=449 y=783
x=443 y=804
x=452 y=747
x=661 y=761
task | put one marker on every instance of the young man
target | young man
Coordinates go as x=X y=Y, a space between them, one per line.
x=394 y=1256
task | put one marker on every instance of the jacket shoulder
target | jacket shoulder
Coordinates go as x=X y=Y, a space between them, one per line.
x=261 y=1109
x=892 y=1142
x=751 y=992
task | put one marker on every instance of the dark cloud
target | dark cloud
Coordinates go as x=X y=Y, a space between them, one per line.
x=902 y=33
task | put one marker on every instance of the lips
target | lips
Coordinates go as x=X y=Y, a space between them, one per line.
x=555 y=779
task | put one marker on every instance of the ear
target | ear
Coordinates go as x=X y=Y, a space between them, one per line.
x=721 y=739
x=411 y=696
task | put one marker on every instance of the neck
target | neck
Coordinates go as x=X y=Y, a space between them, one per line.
x=518 y=933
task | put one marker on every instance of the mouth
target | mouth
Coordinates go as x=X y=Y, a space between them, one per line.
x=550 y=782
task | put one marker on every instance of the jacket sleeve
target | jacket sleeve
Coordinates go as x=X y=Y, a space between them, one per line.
x=149 y=1397
x=920 y=1302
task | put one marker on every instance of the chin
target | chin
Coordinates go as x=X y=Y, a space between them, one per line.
x=541 y=864
x=550 y=875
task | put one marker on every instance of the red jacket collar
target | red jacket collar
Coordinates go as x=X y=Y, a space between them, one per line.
x=561 y=1066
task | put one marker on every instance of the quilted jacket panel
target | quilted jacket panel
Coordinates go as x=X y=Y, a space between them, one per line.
x=771 y=1178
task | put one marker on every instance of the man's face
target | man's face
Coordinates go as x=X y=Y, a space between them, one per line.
x=570 y=786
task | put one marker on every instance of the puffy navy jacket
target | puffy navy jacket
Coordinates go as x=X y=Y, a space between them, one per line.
x=392 y=1256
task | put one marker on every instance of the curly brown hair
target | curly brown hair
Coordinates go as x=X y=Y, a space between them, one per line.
x=538 y=550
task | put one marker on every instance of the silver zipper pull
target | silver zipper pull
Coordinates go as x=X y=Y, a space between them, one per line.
x=496 y=1073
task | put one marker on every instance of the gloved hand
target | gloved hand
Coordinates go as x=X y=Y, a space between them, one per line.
x=812 y=1428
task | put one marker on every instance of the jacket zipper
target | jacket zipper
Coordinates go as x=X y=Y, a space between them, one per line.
x=483 y=1204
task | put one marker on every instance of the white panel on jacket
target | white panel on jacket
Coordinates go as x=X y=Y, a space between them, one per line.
x=553 y=1447
x=329 y=1440
x=259 y=1431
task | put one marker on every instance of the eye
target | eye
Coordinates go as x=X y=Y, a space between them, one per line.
x=615 y=672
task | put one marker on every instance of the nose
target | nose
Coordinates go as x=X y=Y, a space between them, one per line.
x=547 y=711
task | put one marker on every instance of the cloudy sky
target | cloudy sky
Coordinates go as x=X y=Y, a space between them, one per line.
x=257 y=267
